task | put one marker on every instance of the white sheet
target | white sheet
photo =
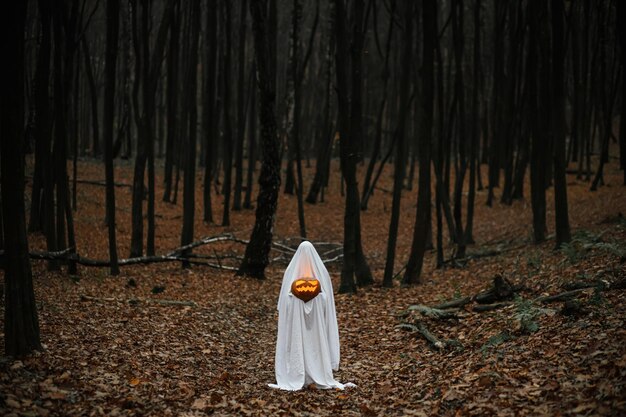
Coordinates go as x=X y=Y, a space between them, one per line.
x=307 y=345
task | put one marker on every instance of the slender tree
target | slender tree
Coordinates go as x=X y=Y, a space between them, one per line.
x=297 y=98
x=401 y=148
x=147 y=74
x=475 y=126
x=228 y=129
x=172 y=87
x=64 y=29
x=349 y=105
x=194 y=12
x=538 y=143
x=368 y=187
x=42 y=216
x=558 y=124
x=252 y=119
x=459 y=93
x=21 y=325
x=113 y=11
x=418 y=247
x=210 y=122
x=241 y=107
x=256 y=257
x=621 y=33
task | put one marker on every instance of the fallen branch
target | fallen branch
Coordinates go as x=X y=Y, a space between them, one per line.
x=61 y=254
x=419 y=327
x=204 y=241
x=458 y=303
x=68 y=256
x=564 y=296
x=289 y=249
x=335 y=259
x=490 y=307
x=217 y=257
x=104 y=184
x=433 y=312
x=135 y=301
x=331 y=251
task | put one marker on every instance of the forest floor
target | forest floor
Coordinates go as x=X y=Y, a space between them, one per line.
x=122 y=354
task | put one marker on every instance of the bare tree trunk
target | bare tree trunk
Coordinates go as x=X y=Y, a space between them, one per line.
x=64 y=30
x=172 y=97
x=349 y=109
x=21 y=325
x=109 y=109
x=93 y=90
x=475 y=133
x=418 y=247
x=210 y=121
x=241 y=111
x=147 y=70
x=459 y=49
x=495 y=148
x=400 y=160
x=189 y=200
x=560 y=164
x=228 y=134
x=621 y=31
x=367 y=186
x=39 y=216
x=256 y=257
x=247 y=201
x=326 y=134
x=538 y=139
x=295 y=136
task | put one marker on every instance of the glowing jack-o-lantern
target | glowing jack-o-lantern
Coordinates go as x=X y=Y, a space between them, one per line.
x=306 y=288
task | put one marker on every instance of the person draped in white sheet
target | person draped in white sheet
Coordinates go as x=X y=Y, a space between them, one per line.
x=307 y=345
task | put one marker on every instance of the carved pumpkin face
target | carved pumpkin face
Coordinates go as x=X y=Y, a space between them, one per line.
x=306 y=288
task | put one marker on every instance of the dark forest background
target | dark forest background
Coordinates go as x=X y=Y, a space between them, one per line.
x=458 y=95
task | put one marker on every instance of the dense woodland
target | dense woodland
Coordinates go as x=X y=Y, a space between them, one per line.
x=179 y=125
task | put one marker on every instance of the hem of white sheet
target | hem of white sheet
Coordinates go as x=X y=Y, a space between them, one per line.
x=340 y=387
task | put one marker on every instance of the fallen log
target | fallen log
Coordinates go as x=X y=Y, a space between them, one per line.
x=433 y=312
x=420 y=328
x=135 y=301
x=458 y=303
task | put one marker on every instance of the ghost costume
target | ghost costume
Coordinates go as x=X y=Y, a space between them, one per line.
x=307 y=346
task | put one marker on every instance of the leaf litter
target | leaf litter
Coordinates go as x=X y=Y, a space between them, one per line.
x=215 y=356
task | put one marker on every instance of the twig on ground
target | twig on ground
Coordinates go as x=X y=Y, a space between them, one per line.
x=420 y=328
x=433 y=312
